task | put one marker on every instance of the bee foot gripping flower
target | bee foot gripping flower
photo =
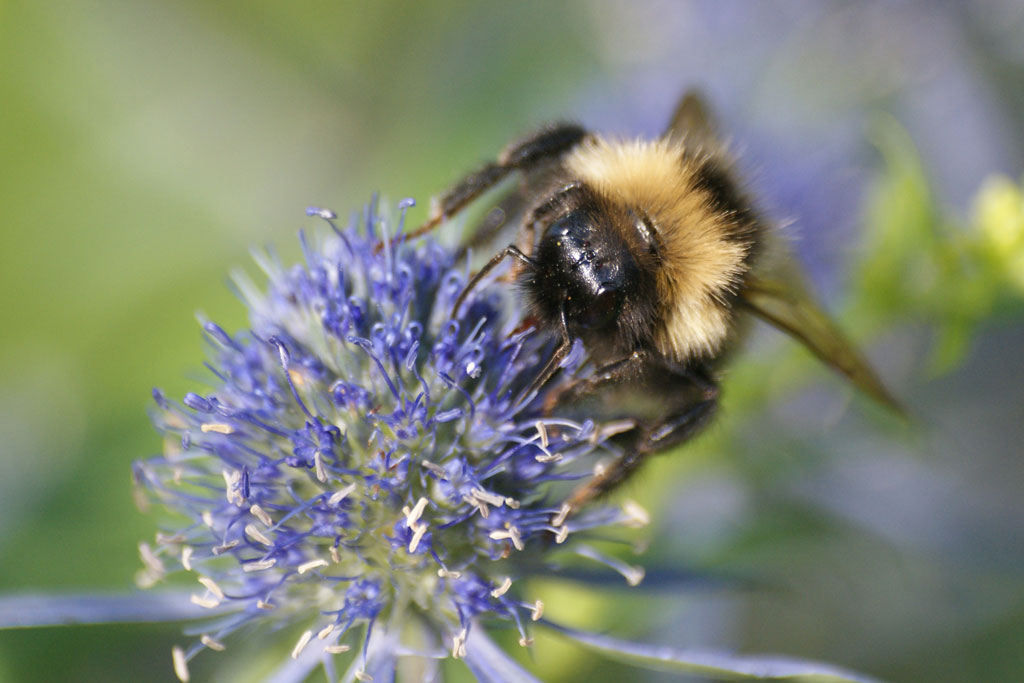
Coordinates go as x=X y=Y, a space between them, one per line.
x=364 y=458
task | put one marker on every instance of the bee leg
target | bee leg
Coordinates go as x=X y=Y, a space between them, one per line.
x=510 y=250
x=685 y=420
x=508 y=207
x=551 y=367
x=609 y=373
x=541 y=146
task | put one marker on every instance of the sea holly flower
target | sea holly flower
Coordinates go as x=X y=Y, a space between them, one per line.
x=362 y=453
x=366 y=470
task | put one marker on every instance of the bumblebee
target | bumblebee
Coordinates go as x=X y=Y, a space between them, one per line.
x=650 y=252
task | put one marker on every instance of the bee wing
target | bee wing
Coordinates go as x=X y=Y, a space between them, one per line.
x=779 y=295
x=784 y=301
x=693 y=121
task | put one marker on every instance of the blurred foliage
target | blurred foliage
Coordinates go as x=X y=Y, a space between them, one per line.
x=923 y=265
x=999 y=222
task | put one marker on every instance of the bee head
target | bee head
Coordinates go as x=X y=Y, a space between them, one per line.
x=585 y=269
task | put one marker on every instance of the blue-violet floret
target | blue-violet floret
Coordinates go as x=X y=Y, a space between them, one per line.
x=363 y=456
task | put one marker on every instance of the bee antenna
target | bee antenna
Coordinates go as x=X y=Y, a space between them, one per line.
x=508 y=251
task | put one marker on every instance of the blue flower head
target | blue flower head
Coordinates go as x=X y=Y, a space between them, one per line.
x=366 y=458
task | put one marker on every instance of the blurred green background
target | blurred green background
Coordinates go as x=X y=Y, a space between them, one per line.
x=146 y=146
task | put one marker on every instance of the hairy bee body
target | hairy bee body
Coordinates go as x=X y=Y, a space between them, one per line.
x=649 y=252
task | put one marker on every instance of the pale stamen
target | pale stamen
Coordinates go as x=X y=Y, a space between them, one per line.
x=211 y=643
x=259 y=565
x=223 y=548
x=413 y=515
x=255 y=534
x=216 y=427
x=503 y=588
x=563 y=512
x=340 y=494
x=417 y=536
x=318 y=466
x=180 y=664
x=636 y=515
x=336 y=649
x=208 y=603
x=212 y=586
x=261 y=514
x=150 y=559
x=303 y=640
x=542 y=430
x=312 y=564
x=459 y=644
